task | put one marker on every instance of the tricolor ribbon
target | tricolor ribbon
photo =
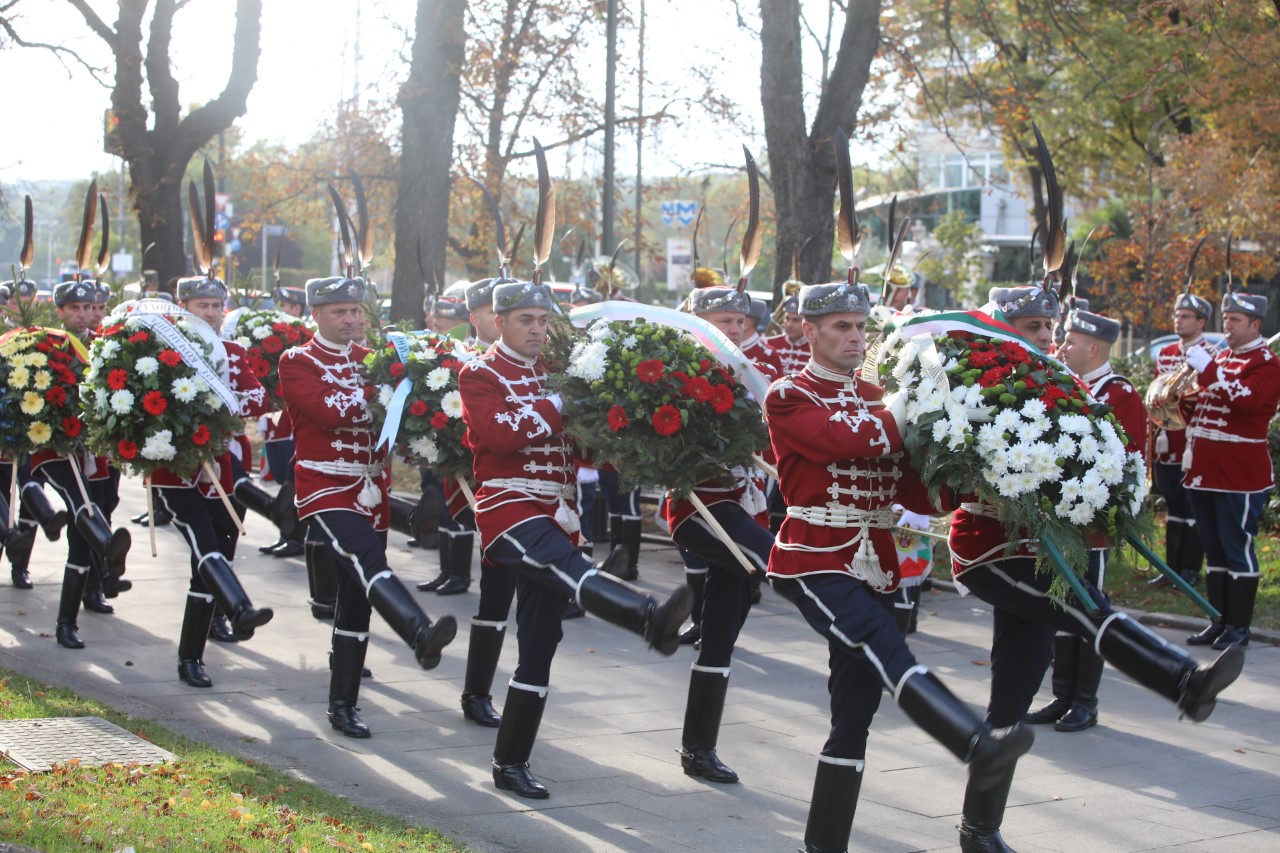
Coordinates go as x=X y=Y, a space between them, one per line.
x=719 y=345
x=395 y=407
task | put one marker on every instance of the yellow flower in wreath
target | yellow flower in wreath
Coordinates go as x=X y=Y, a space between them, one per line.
x=42 y=380
x=18 y=377
x=32 y=403
x=39 y=432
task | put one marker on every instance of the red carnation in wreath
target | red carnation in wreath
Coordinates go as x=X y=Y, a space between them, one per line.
x=650 y=371
x=127 y=449
x=418 y=408
x=618 y=419
x=139 y=338
x=72 y=426
x=155 y=403
x=117 y=379
x=439 y=420
x=397 y=369
x=201 y=436
x=56 y=396
x=170 y=358
x=667 y=421
x=272 y=344
x=721 y=399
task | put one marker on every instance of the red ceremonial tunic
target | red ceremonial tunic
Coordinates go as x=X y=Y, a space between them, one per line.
x=1227 y=435
x=1114 y=390
x=455 y=500
x=1171 y=443
x=760 y=352
x=841 y=469
x=525 y=465
x=336 y=467
x=253 y=403
x=279 y=427
x=792 y=357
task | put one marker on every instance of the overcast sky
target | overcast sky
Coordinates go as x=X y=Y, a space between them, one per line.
x=308 y=65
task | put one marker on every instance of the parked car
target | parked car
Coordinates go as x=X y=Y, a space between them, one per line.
x=1152 y=349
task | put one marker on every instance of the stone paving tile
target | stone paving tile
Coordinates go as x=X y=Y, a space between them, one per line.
x=607 y=748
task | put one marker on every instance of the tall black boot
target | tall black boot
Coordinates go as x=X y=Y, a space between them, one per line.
x=983 y=814
x=913 y=621
x=21 y=540
x=254 y=498
x=322 y=578
x=425 y=520
x=446 y=549
x=220 y=579
x=394 y=604
x=1215 y=588
x=1165 y=669
x=702 y=713
x=521 y=717
x=195 y=630
x=67 y=631
x=51 y=521
x=345 y=667
x=831 y=808
x=1084 y=699
x=1066 y=658
x=935 y=709
x=1242 y=593
x=461 y=547
x=600 y=519
x=697 y=582
x=621 y=604
x=111 y=547
x=631 y=541
x=483 y=650
x=93 y=599
x=1190 y=554
x=401 y=516
x=1174 y=531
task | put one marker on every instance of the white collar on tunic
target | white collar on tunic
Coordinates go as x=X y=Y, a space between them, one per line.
x=1183 y=346
x=1094 y=375
x=340 y=349
x=515 y=356
x=825 y=373
x=1252 y=345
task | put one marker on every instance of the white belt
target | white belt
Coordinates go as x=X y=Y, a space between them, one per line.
x=1219 y=435
x=980 y=509
x=341 y=469
x=538 y=488
x=843 y=516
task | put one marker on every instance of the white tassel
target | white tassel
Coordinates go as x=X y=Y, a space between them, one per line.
x=567 y=519
x=1162 y=443
x=1186 y=457
x=866 y=565
x=370 y=495
x=753 y=500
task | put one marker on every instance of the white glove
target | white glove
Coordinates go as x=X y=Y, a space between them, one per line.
x=556 y=401
x=896 y=404
x=1198 y=357
x=914 y=520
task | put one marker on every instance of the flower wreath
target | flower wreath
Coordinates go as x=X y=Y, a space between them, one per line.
x=40 y=369
x=265 y=335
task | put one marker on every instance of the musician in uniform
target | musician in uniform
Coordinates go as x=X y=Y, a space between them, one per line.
x=1077 y=668
x=525 y=466
x=1183 y=551
x=1003 y=573
x=790 y=344
x=1228 y=467
x=341 y=488
x=840 y=465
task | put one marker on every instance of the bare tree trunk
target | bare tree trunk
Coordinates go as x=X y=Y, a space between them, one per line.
x=801 y=161
x=429 y=102
x=157 y=156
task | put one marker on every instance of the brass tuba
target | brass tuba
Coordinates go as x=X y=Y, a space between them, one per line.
x=1168 y=394
x=790 y=288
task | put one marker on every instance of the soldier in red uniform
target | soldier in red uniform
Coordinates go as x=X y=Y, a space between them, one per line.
x=722 y=587
x=753 y=344
x=1003 y=573
x=1077 y=668
x=199 y=513
x=1229 y=473
x=92 y=546
x=790 y=344
x=1183 y=551
x=526 y=470
x=341 y=488
x=277 y=444
x=839 y=451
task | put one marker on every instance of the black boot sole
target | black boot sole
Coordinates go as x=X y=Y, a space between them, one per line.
x=244 y=627
x=440 y=634
x=473 y=709
x=663 y=630
x=1209 y=682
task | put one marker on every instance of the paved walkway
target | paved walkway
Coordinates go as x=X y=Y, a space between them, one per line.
x=1141 y=780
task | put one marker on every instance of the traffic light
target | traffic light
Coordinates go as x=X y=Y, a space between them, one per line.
x=219 y=242
x=111 y=134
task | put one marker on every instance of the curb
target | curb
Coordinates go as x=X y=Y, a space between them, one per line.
x=1164 y=620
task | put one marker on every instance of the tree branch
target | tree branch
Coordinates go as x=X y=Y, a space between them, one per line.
x=57 y=50
x=95 y=23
